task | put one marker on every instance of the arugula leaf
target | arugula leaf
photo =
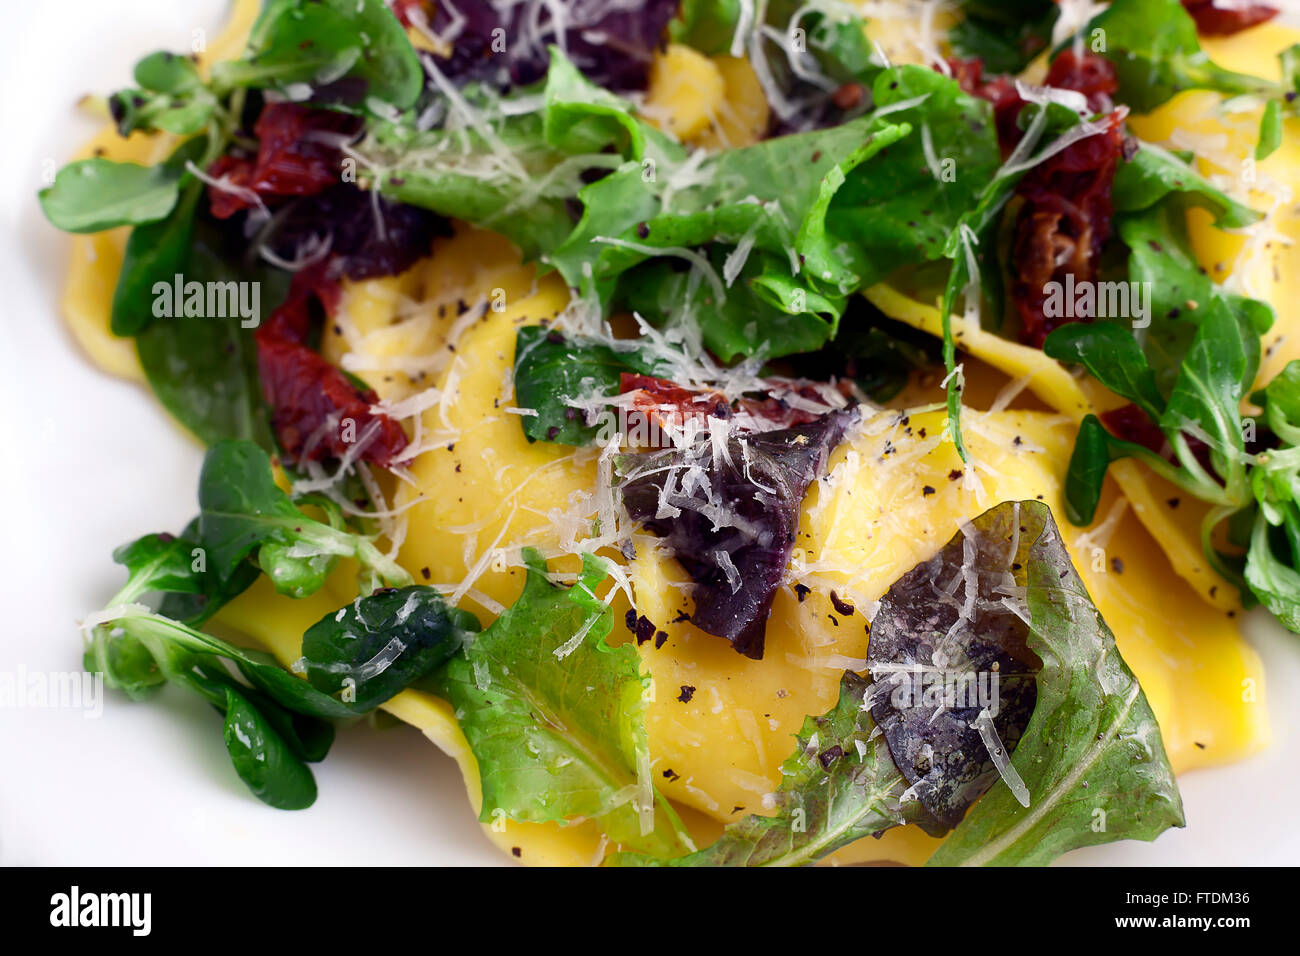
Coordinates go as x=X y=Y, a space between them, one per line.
x=801 y=320
x=1091 y=758
x=895 y=210
x=1156 y=53
x=776 y=192
x=320 y=42
x=463 y=173
x=372 y=649
x=773 y=197
x=556 y=717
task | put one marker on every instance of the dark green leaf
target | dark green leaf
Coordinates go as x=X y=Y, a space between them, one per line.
x=156 y=252
x=1005 y=35
x=1156 y=53
x=242 y=511
x=377 y=646
x=264 y=761
x=1153 y=173
x=319 y=42
x=91 y=195
x=204 y=368
x=1087 y=472
x=1218 y=370
x=1113 y=356
x=551 y=371
x=164 y=72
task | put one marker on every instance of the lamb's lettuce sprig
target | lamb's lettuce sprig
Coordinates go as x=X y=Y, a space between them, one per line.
x=295 y=48
x=352 y=660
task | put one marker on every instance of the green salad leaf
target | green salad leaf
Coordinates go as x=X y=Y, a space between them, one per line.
x=1089 y=758
x=1156 y=53
x=514 y=169
x=320 y=42
x=556 y=717
x=275 y=723
x=242 y=512
x=92 y=195
x=370 y=650
x=1004 y=34
x=1154 y=173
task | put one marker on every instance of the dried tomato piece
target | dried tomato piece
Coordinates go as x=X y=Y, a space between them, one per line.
x=667 y=405
x=1000 y=91
x=312 y=402
x=297 y=155
x=1093 y=76
x=1213 y=20
x=1064 y=223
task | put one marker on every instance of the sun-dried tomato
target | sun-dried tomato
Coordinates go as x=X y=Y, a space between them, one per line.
x=666 y=404
x=663 y=401
x=317 y=411
x=1213 y=20
x=297 y=155
x=1092 y=75
x=1065 y=217
x=1064 y=223
x=999 y=90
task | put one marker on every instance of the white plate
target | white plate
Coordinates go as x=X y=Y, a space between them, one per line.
x=88 y=462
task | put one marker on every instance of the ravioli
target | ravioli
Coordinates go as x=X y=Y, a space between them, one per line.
x=720 y=752
x=895 y=492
